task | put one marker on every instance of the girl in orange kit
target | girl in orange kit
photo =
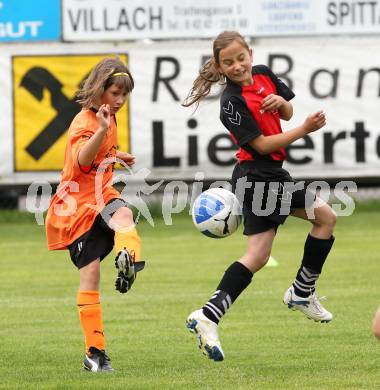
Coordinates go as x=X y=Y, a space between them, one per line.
x=88 y=217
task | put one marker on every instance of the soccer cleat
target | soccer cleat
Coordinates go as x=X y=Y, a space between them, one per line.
x=97 y=361
x=127 y=270
x=310 y=306
x=206 y=332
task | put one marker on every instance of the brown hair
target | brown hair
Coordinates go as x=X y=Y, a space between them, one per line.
x=101 y=77
x=208 y=73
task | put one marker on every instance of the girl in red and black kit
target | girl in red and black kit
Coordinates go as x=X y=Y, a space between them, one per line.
x=251 y=106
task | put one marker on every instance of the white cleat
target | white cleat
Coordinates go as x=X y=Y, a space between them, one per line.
x=310 y=306
x=206 y=332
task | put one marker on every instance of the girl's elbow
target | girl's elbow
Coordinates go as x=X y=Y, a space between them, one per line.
x=83 y=161
x=286 y=116
x=261 y=145
x=287 y=112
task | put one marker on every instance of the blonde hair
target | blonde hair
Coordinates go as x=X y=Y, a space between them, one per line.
x=208 y=73
x=109 y=71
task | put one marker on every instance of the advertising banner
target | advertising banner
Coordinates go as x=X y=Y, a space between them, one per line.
x=97 y=20
x=87 y=20
x=45 y=104
x=38 y=20
x=340 y=76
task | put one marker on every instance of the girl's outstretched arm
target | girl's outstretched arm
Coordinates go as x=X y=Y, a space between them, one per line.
x=269 y=144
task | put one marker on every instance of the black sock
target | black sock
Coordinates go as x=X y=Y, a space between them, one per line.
x=236 y=278
x=315 y=253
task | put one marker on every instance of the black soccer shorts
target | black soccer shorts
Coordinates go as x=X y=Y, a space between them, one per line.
x=272 y=194
x=99 y=240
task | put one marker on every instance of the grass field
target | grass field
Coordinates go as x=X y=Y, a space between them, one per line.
x=267 y=346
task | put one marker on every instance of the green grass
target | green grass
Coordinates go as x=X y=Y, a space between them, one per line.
x=267 y=346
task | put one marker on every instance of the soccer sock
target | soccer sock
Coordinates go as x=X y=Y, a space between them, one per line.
x=304 y=284
x=129 y=240
x=90 y=315
x=315 y=253
x=236 y=278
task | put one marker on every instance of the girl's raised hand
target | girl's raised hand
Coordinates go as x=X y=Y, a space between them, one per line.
x=104 y=116
x=314 y=121
x=129 y=159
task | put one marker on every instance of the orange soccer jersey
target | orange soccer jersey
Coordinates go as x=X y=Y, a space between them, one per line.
x=83 y=191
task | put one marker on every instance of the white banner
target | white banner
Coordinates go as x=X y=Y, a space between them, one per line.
x=314 y=17
x=339 y=75
x=97 y=20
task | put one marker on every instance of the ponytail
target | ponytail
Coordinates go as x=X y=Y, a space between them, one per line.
x=208 y=75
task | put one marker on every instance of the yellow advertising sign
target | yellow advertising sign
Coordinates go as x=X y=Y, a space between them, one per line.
x=44 y=106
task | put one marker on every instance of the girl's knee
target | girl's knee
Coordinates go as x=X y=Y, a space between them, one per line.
x=91 y=268
x=123 y=217
x=376 y=324
x=376 y=328
x=89 y=276
x=124 y=213
x=331 y=219
x=326 y=219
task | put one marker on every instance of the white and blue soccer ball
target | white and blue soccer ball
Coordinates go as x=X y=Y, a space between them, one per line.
x=216 y=213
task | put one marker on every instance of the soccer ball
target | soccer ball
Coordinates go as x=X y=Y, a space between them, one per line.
x=216 y=213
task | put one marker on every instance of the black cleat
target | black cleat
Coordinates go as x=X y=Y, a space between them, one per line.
x=97 y=361
x=127 y=270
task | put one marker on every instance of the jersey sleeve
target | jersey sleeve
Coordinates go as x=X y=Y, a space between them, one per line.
x=282 y=89
x=238 y=120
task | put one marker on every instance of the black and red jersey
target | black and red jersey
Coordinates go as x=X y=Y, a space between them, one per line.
x=241 y=113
